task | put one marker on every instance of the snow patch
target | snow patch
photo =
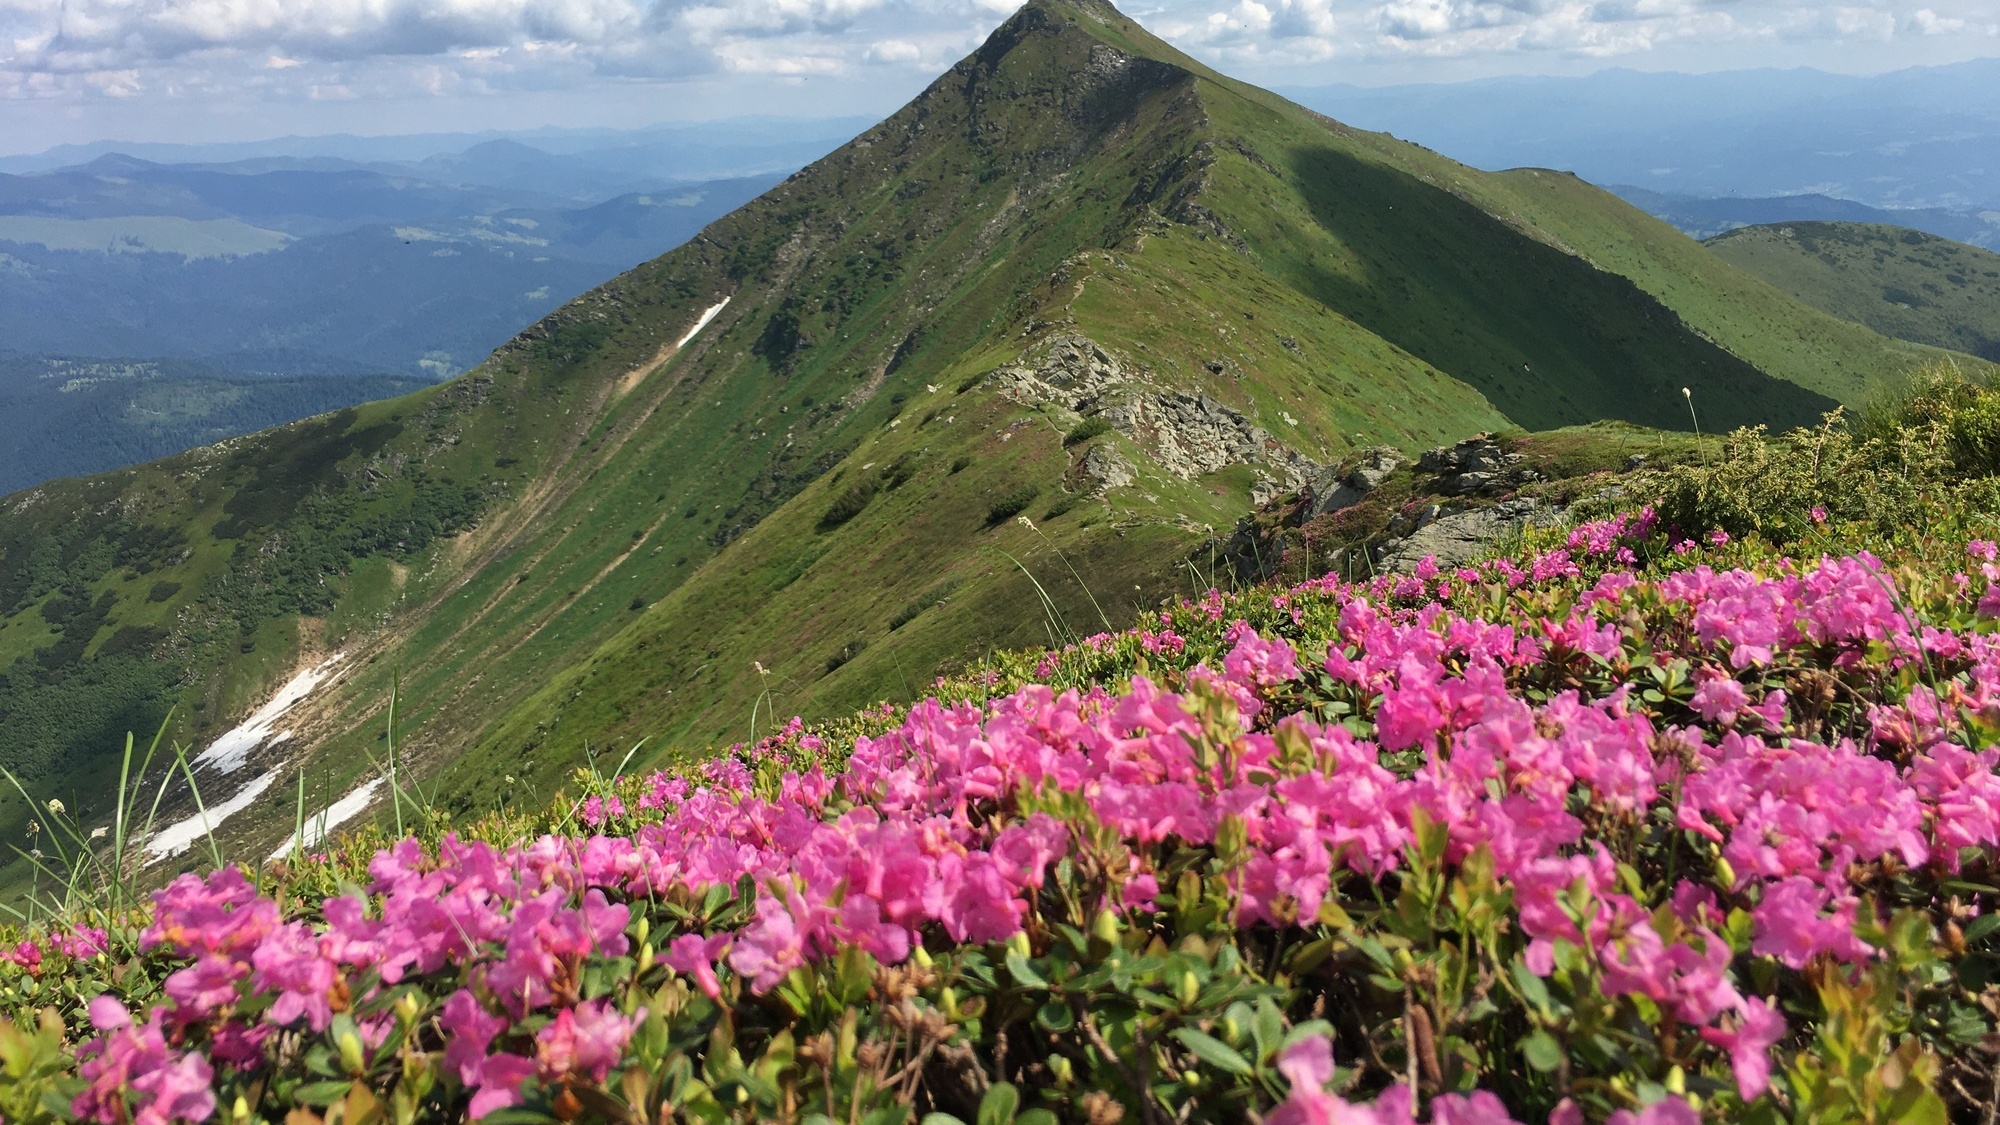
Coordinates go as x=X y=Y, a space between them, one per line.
x=331 y=817
x=231 y=752
x=179 y=837
x=702 y=323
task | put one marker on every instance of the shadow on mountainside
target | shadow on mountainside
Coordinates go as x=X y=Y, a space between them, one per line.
x=1550 y=339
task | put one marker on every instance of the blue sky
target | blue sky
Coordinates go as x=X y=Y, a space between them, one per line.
x=200 y=70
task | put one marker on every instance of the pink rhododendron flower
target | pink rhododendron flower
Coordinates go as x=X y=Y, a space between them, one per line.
x=131 y=1065
x=1749 y=1045
x=584 y=1041
x=696 y=956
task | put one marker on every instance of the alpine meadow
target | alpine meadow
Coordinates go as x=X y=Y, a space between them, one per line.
x=1111 y=597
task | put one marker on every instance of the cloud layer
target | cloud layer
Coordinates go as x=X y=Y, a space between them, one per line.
x=1289 y=32
x=329 y=50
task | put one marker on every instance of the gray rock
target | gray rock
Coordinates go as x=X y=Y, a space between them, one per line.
x=1465 y=537
x=1107 y=468
x=1331 y=490
x=1188 y=433
x=1410 y=522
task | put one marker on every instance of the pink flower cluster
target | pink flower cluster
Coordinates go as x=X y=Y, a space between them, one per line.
x=521 y=918
x=943 y=824
x=78 y=943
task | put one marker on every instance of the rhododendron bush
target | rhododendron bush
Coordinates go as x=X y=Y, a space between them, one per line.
x=1619 y=830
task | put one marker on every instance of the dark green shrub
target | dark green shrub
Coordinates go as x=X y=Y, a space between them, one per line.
x=936 y=595
x=1779 y=487
x=960 y=464
x=899 y=471
x=1964 y=411
x=1061 y=506
x=1085 y=430
x=848 y=505
x=845 y=653
x=1012 y=504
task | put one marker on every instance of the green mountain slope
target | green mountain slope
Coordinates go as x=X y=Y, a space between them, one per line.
x=1081 y=279
x=1897 y=281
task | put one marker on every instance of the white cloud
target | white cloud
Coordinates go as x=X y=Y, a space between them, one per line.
x=1291 y=32
x=1927 y=22
x=41 y=41
x=326 y=52
x=894 y=51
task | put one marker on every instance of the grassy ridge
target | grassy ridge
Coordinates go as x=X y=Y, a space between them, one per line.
x=1899 y=282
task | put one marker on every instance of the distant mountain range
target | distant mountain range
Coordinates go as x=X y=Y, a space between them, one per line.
x=1706 y=218
x=1925 y=137
x=586 y=165
x=226 y=276
x=303 y=271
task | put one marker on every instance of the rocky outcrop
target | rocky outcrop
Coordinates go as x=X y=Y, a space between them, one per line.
x=1332 y=489
x=1477 y=466
x=1105 y=468
x=1188 y=433
x=1455 y=539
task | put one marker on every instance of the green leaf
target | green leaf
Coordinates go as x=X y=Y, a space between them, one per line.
x=1024 y=974
x=516 y=1115
x=1533 y=989
x=1212 y=1051
x=1037 y=1117
x=322 y=1093
x=1542 y=1051
x=1307 y=1030
x=940 y=1119
x=999 y=1104
x=1982 y=926
x=1055 y=1016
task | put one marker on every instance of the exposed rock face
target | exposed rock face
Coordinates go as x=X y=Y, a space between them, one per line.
x=1458 y=538
x=1188 y=433
x=1106 y=468
x=1476 y=466
x=1332 y=490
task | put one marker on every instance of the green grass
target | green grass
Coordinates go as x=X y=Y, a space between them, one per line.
x=1899 y=282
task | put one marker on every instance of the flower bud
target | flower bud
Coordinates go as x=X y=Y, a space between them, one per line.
x=407 y=1009
x=1725 y=874
x=1017 y=942
x=922 y=957
x=1062 y=1069
x=1677 y=1081
x=644 y=929
x=1190 y=988
x=1105 y=927
x=353 y=1055
x=645 y=955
